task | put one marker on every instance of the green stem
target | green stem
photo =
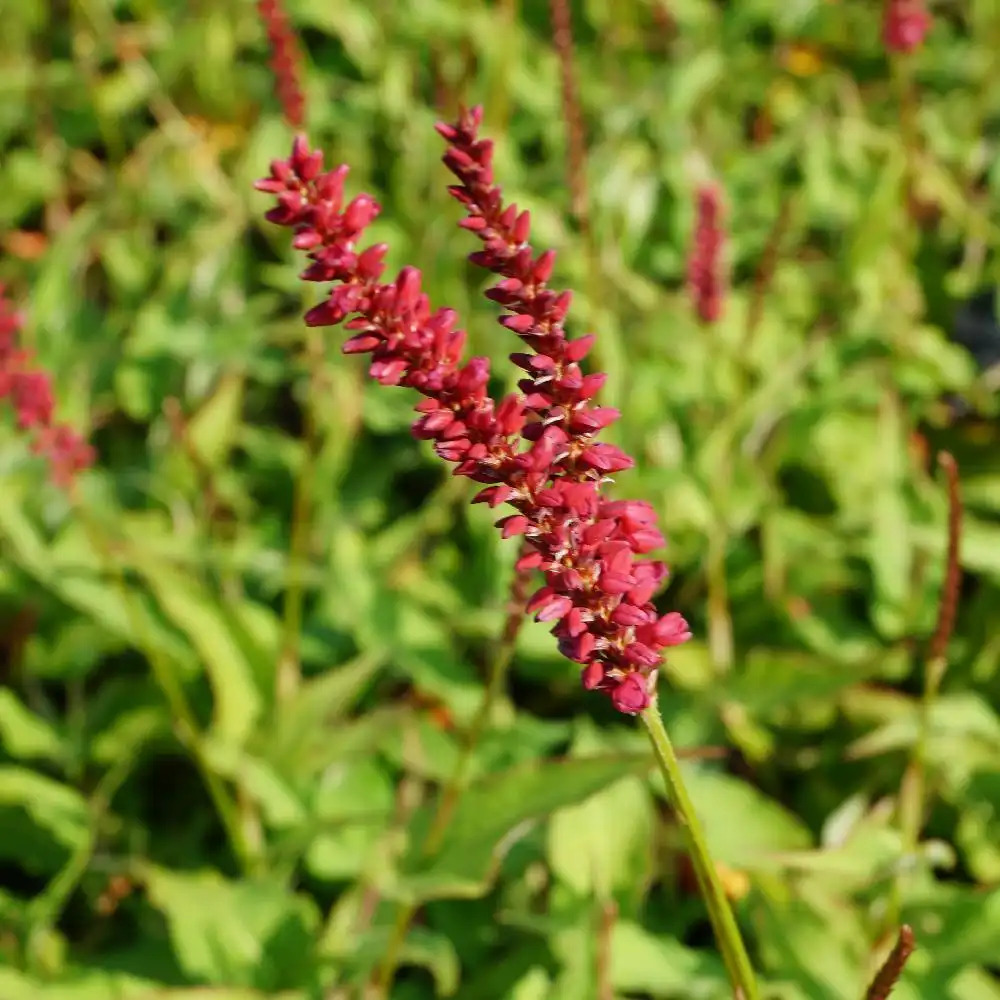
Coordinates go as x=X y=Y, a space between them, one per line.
x=503 y=653
x=913 y=816
x=727 y=933
x=45 y=909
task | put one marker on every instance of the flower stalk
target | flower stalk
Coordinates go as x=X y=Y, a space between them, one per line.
x=720 y=913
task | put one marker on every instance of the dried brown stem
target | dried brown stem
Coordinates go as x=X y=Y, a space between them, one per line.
x=892 y=968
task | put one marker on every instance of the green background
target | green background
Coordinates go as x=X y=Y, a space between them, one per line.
x=789 y=450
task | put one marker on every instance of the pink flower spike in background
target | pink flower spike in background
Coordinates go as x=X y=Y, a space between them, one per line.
x=536 y=451
x=29 y=391
x=286 y=60
x=905 y=25
x=706 y=280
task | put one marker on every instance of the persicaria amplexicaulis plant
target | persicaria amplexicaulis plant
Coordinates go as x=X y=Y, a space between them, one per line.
x=706 y=280
x=537 y=450
x=29 y=391
x=905 y=24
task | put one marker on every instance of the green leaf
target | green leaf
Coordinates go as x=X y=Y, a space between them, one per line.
x=642 y=962
x=75 y=570
x=120 y=92
x=534 y=985
x=129 y=731
x=304 y=721
x=814 y=939
x=212 y=430
x=91 y=984
x=279 y=803
x=890 y=546
x=77 y=985
x=189 y=606
x=423 y=948
x=355 y=798
x=981 y=492
x=981 y=546
x=24 y=735
x=23 y=539
x=426 y=749
x=579 y=849
x=872 y=854
x=235 y=933
x=42 y=820
x=978 y=829
x=968 y=984
x=492 y=814
x=222 y=994
x=963 y=735
x=763 y=825
x=774 y=682
x=957 y=925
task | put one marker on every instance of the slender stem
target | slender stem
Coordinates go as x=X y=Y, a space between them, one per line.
x=727 y=933
x=45 y=909
x=503 y=653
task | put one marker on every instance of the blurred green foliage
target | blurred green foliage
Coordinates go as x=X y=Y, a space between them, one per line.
x=217 y=755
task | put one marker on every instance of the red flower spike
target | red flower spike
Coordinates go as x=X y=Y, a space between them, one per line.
x=705 y=274
x=286 y=64
x=538 y=452
x=29 y=390
x=905 y=24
